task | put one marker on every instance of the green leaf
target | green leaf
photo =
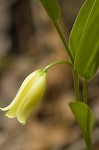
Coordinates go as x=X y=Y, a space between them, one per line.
x=79 y=25
x=85 y=120
x=84 y=39
x=52 y=8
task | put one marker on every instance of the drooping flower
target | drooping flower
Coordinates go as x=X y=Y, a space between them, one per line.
x=28 y=97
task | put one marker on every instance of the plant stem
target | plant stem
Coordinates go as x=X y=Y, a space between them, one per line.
x=56 y=63
x=76 y=85
x=85 y=91
x=63 y=40
x=88 y=146
x=88 y=143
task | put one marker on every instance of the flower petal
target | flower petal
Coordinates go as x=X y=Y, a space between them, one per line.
x=13 y=110
x=22 y=90
x=32 y=99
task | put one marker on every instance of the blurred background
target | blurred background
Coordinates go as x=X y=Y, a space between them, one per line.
x=28 y=41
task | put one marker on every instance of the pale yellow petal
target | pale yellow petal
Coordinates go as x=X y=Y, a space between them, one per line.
x=10 y=114
x=32 y=99
x=22 y=91
x=13 y=110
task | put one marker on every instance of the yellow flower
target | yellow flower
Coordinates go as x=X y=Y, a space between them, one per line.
x=28 y=97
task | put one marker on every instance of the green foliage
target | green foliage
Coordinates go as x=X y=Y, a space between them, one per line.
x=84 y=39
x=85 y=119
x=52 y=8
x=79 y=26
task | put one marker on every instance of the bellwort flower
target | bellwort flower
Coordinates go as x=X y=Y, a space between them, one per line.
x=28 y=97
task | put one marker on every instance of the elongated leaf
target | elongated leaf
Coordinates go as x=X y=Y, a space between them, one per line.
x=79 y=25
x=87 y=57
x=84 y=39
x=85 y=120
x=52 y=8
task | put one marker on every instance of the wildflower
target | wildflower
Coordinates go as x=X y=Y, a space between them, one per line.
x=28 y=97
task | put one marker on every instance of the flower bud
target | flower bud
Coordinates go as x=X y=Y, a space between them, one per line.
x=52 y=8
x=28 y=97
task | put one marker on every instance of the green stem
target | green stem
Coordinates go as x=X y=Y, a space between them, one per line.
x=56 y=63
x=85 y=91
x=88 y=144
x=63 y=40
x=76 y=85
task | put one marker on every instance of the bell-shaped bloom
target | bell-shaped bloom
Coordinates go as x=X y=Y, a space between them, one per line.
x=28 y=97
